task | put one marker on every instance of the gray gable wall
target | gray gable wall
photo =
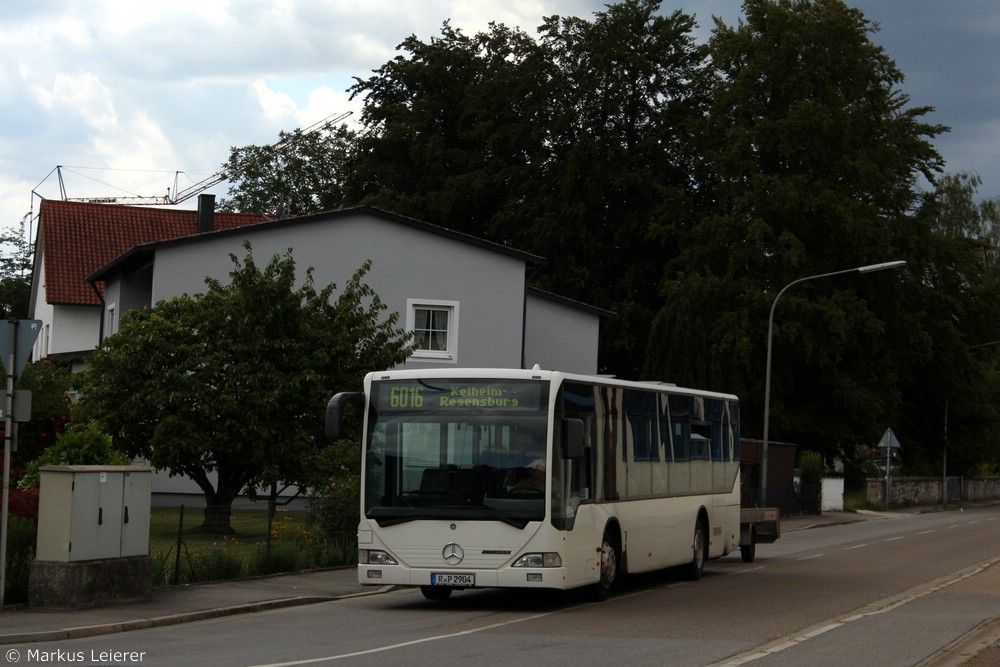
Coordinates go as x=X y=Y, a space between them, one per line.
x=560 y=336
x=485 y=285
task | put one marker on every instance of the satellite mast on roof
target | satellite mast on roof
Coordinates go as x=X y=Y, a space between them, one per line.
x=180 y=195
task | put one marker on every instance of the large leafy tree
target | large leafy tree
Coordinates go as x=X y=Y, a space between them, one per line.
x=234 y=381
x=684 y=185
x=454 y=128
x=953 y=386
x=811 y=155
x=302 y=173
x=618 y=151
x=562 y=145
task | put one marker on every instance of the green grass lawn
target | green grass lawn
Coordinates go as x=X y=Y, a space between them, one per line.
x=248 y=526
x=194 y=555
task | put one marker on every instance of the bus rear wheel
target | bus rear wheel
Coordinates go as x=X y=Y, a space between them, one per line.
x=699 y=550
x=749 y=551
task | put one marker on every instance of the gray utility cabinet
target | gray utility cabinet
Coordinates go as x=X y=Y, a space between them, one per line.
x=93 y=512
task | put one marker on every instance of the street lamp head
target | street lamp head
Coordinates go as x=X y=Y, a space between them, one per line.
x=881 y=267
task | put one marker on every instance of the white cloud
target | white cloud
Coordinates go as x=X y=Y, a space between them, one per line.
x=138 y=144
x=173 y=84
x=276 y=106
x=82 y=95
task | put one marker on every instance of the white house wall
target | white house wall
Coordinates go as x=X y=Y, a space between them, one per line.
x=70 y=329
x=65 y=329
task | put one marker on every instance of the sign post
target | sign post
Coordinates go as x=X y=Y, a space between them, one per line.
x=888 y=442
x=16 y=340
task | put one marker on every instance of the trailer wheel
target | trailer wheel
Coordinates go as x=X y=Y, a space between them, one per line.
x=749 y=551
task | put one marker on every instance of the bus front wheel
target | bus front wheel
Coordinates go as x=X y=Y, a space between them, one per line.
x=609 y=568
x=436 y=592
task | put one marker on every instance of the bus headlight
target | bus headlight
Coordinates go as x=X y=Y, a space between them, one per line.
x=374 y=557
x=548 y=559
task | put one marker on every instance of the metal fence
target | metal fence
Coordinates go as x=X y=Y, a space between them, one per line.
x=255 y=542
x=248 y=541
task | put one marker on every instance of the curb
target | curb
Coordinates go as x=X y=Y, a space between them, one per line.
x=178 y=618
x=965 y=648
x=160 y=621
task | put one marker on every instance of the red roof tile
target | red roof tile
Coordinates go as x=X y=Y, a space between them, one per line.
x=79 y=238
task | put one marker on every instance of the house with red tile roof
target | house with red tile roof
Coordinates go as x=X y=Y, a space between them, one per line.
x=95 y=262
x=465 y=299
x=76 y=239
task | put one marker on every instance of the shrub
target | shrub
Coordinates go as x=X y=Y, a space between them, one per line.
x=20 y=553
x=811 y=466
x=80 y=444
x=334 y=503
x=24 y=504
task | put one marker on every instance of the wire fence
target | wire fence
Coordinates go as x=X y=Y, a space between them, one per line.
x=253 y=542
x=196 y=544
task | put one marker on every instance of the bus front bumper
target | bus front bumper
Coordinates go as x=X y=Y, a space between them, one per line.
x=510 y=577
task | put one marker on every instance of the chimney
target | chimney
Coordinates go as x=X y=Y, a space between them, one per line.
x=206 y=213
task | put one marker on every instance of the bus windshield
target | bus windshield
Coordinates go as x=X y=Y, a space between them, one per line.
x=456 y=449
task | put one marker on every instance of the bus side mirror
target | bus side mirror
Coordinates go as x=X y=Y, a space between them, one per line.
x=572 y=438
x=335 y=411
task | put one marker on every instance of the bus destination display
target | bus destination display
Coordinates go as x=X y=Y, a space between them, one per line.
x=437 y=395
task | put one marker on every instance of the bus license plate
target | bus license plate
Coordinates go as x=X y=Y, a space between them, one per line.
x=453 y=579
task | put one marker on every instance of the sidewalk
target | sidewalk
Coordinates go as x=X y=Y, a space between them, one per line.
x=183 y=604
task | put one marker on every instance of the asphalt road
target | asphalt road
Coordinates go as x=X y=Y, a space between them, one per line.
x=886 y=593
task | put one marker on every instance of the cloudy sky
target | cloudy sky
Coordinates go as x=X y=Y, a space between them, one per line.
x=123 y=94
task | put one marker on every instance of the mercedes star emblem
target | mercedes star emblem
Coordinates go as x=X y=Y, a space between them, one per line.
x=453 y=554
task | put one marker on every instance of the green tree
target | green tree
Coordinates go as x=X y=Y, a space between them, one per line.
x=810 y=158
x=15 y=273
x=236 y=380
x=811 y=482
x=620 y=154
x=454 y=128
x=953 y=387
x=302 y=173
x=51 y=385
x=683 y=185
x=564 y=146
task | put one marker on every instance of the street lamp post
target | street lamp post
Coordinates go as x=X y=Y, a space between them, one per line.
x=870 y=268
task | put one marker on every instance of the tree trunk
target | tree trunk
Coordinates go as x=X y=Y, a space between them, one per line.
x=219 y=506
x=217 y=519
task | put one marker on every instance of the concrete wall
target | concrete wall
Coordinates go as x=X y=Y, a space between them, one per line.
x=981 y=488
x=927 y=490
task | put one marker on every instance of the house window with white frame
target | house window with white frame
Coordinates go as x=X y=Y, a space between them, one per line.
x=434 y=325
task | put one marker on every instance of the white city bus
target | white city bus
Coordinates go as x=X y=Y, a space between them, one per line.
x=540 y=479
